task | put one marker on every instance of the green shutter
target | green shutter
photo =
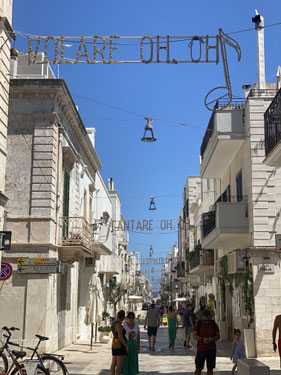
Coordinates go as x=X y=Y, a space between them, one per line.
x=66 y=184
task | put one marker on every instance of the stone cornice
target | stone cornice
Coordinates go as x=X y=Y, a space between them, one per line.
x=58 y=90
x=7 y=26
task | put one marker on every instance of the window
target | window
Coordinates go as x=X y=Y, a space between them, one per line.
x=187 y=208
x=89 y=262
x=239 y=187
x=226 y=195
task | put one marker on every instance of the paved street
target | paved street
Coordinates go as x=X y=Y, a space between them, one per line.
x=81 y=361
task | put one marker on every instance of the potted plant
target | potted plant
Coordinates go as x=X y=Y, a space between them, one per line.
x=104 y=334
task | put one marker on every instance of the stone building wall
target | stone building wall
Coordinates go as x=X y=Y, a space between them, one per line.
x=5 y=39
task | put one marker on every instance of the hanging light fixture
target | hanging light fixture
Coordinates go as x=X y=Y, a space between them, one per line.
x=148 y=129
x=152 y=205
x=150 y=252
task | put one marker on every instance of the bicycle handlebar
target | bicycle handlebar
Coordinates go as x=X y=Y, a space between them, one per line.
x=10 y=329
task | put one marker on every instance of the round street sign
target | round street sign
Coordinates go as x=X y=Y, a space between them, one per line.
x=6 y=271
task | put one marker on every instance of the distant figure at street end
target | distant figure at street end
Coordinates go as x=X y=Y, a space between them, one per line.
x=152 y=322
x=119 y=344
x=277 y=325
x=188 y=324
x=206 y=332
x=238 y=351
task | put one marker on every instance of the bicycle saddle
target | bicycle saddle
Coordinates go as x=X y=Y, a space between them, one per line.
x=42 y=338
x=18 y=354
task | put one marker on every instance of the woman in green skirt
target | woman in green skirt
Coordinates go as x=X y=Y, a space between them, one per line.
x=131 y=362
x=172 y=326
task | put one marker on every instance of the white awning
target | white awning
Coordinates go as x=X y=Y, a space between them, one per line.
x=135 y=298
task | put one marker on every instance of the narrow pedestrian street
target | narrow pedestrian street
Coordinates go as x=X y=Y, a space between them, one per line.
x=81 y=361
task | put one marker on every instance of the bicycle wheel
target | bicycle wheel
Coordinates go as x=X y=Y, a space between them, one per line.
x=39 y=371
x=3 y=362
x=54 y=365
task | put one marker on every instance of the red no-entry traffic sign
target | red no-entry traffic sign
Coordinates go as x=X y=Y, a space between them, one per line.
x=6 y=271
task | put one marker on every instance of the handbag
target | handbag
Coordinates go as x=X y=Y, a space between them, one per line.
x=116 y=343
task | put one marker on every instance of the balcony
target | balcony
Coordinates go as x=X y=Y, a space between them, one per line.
x=78 y=239
x=272 y=132
x=110 y=265
x=226 y=227
x=224 y=136
x=203 y=261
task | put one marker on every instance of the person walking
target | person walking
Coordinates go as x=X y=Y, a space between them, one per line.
x=152 y=322
x=131 y=361
x=172 y=327
x=180 y=311
x=206 y=332
x=161 y=315
x=277 y=326
x=119 y=344
x=238 y=351
x=188 y=324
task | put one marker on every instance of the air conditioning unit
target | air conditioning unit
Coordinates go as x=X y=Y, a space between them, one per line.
x=236 y=262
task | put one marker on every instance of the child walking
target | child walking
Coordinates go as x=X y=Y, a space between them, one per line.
x=238 y=351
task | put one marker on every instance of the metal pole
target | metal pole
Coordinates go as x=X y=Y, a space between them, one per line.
x=92 y=334
x=96 y=332
x=1 y=248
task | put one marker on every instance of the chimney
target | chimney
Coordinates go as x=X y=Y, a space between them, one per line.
x=14 y=63
x=247 y=89
x=259 y=26
x=91 y=133
x=111 y=184
x=108 y=184
x=278 y=78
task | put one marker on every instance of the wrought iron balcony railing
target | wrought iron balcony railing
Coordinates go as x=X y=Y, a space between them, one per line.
x=220 y=105
x=272 y=124
x=76 y=231
x=209 y=218
x=203 y=258
x=209 y=223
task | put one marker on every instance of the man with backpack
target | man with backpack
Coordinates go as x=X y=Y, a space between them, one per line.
x=206 y=332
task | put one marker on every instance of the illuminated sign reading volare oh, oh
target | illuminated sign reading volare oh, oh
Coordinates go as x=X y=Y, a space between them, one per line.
x=152 y=49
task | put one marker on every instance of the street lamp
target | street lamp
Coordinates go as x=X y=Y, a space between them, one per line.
x=148 y=129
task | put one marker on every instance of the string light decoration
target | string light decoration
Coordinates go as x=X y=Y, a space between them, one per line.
x=152 y=206
x=148 y=135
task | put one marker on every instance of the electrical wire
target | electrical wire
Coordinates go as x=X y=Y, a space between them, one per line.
x=156 y=119
x=25 y=35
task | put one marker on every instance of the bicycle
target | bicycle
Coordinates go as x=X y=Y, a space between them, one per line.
x=16 y=367
x=50 y=362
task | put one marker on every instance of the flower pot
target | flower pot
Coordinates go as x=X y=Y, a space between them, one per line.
x=104 y=337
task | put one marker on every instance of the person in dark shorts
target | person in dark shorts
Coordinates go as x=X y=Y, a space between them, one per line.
x=206 y=332
x=119 y=344
x=188 y=324
x=152 y=322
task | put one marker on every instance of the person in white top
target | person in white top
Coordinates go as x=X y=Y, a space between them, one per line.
x=131 y=362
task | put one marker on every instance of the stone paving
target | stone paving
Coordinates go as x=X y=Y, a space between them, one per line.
x=81 y=361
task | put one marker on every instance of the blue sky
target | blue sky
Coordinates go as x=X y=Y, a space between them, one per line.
x=169 y=92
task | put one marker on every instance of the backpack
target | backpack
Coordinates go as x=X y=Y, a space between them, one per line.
x=200 y=324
